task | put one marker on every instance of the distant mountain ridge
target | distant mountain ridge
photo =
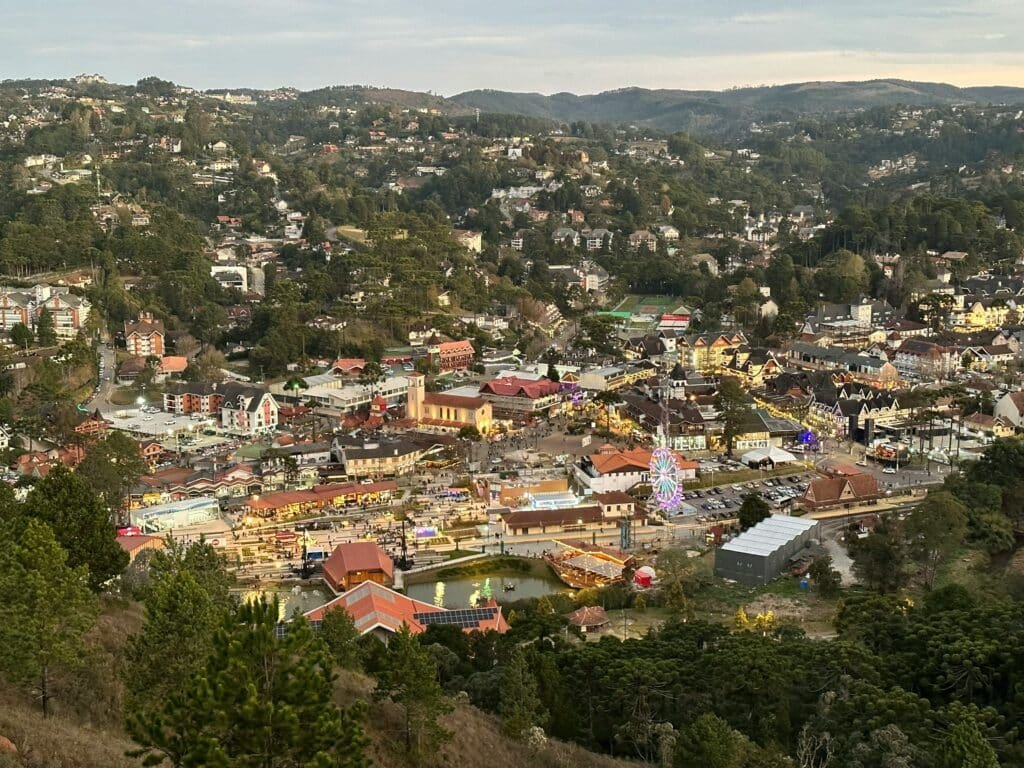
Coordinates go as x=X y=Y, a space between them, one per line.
x=711 y=111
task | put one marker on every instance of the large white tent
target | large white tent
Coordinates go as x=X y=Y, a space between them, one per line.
x=769 y=455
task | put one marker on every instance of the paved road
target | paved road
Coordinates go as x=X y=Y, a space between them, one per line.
x=101 y=399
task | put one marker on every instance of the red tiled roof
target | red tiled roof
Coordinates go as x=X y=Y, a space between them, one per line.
x=828 y=490
x=615 y=497
x=373 y=606
x=456 y=347
x=356 y=556
x=637 y=459
x=173 y=364
x=131 y=543
x=348 y=364
x=511 y=386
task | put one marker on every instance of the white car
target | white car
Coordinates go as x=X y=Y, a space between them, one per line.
x=889 y=471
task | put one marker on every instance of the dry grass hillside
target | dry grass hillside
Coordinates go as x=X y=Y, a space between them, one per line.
x=476 y=739
x=61 y=742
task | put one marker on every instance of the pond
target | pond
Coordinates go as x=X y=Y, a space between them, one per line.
x=463 y=592
x=291 y=598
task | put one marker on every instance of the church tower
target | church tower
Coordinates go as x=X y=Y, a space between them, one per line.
x=414 y=402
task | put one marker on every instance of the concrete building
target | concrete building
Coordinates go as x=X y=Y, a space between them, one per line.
x=145 y=337
x=761 y=553
x=231 y=276
x=69 y=311
x=377 y=459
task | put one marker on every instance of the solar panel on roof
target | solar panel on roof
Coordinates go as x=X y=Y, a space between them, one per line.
x=464 y=618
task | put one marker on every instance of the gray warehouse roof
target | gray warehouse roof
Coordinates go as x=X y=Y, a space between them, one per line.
x=769 y=535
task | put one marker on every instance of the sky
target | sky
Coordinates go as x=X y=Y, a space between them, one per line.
x=449 y=46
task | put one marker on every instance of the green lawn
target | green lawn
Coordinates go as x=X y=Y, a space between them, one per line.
x=659 y=304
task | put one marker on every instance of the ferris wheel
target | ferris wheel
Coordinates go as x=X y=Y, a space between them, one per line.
x=665 y=485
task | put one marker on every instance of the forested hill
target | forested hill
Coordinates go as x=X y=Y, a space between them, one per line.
x=717 y=111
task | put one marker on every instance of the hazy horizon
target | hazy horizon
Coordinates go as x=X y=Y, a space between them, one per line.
x=454 y=46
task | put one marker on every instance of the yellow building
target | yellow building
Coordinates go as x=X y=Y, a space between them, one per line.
x=710 y=352
x=980 y=315
x=446 y=412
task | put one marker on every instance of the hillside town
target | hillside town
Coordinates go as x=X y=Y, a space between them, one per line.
x=386 y=358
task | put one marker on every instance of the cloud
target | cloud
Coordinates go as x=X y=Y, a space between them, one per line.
x=453 y=45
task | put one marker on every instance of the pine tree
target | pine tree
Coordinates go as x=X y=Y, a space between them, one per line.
x=80 y=522
x=45 y=608
x=966 y=747
x=408 y=676
x=263 y=701
x=520 y=707
x=181 y=619
x=45 y=332
x=339 y=632
x=111 y=467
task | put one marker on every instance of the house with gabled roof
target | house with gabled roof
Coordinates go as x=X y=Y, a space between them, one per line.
x=514 y=396
x=354 y=562
x=247 y=409
x=840 y=490
x=612 y=469
x=382 y=612
x=1010 y=408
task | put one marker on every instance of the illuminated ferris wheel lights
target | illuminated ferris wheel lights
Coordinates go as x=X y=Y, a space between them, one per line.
x=665 y=485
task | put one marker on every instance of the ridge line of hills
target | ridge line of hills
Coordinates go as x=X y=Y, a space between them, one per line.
x=711 y=111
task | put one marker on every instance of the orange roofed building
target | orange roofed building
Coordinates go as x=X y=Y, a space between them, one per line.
x=450 y=355
x=380 y=611
x=611 y=469
x=354 y=562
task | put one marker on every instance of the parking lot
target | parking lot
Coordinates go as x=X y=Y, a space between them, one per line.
x=170 y=430
x=724 y=482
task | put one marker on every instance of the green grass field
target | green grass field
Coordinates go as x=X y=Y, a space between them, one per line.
x=648 y=305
